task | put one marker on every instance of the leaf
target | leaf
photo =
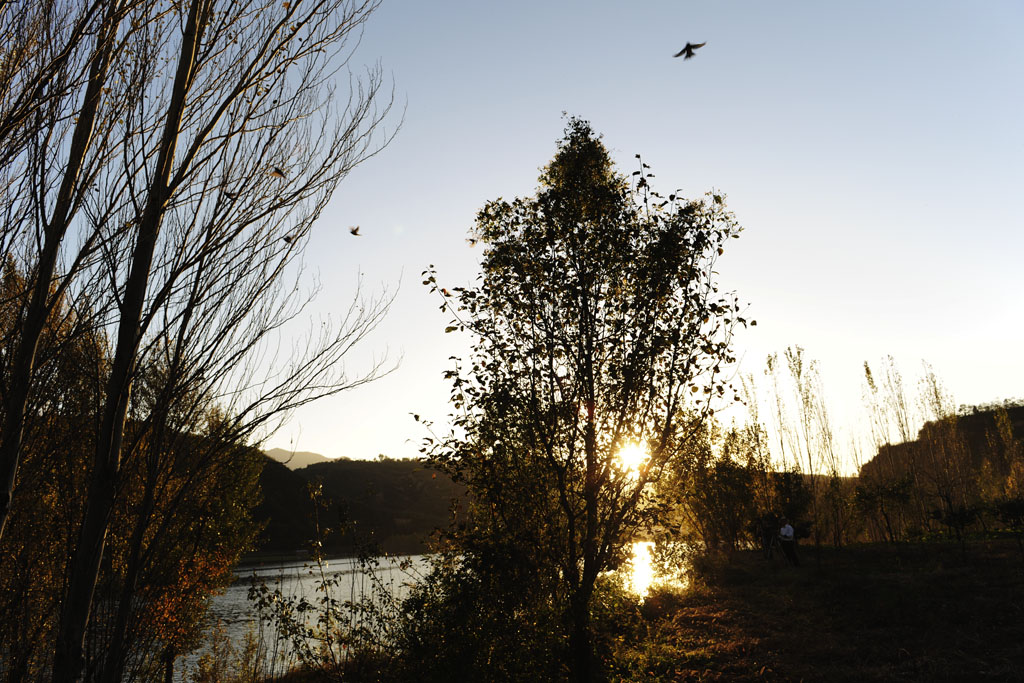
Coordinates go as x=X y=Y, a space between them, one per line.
x=450 y=328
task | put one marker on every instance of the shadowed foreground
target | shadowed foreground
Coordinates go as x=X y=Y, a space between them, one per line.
x=914 y=612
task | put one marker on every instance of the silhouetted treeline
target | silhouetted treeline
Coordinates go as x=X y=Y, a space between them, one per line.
x=284 y=512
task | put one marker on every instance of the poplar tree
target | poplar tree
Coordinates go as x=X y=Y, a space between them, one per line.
x=162 y=163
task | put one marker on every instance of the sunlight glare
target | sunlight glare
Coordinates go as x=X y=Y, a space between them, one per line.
x=631 y=457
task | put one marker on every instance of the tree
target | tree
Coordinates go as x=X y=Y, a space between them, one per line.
x=61 y=412
x=179 y=522
x=57 y=53
x=208 y=187
x=165 y=166
x=713 y=489
x=598 y=324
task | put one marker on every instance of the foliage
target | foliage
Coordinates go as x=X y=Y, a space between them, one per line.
x=712 y=491
x=51 y=480
x=462 y=621
x=196 y=530
x=793 y=497
x=223 y=662
x=883 y=505
x=952 y=478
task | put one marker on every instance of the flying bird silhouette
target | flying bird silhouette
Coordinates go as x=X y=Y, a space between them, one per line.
x=688 y=50
x=354 y=230
x=278 y=173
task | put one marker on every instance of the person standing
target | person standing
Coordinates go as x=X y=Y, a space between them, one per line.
x=787 y=540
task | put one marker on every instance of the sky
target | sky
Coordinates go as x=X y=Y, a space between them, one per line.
x=872 y=151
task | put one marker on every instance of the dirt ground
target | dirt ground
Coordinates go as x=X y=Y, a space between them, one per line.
x=921 y=612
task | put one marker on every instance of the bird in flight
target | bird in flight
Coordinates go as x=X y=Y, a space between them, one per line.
x=354 y=230
x=688 y=50
x=278 y=173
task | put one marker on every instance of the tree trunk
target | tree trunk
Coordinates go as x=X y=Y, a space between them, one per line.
x=581 y=651
x=85 y=564
x=580 y=644
x=113 y=663
x=169 y=657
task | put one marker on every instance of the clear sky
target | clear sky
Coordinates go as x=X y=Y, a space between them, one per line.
x=873 y=152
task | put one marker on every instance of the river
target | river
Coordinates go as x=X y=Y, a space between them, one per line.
x=235 y=615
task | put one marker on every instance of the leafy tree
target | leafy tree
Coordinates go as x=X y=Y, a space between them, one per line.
x=598 y=323
x=51 y=481
x=713 y=491
x=795 y=499
x=882 y=503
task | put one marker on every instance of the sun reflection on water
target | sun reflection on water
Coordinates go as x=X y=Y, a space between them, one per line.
x=641 y=568
x=641 y=571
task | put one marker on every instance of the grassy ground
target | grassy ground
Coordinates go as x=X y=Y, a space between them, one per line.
x=868 y=613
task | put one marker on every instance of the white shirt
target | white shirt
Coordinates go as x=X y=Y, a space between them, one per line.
x=786 y=533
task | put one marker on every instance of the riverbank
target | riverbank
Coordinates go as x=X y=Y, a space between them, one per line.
x=877 y=613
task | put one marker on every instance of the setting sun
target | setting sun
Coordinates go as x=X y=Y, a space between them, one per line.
x=631 y=457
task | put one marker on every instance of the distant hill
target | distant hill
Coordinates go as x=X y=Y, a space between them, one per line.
x=295 y=460
x=976 y=431
x=284 y=510
x=396 y=504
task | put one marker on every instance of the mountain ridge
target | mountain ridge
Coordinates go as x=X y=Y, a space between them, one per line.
x=296 y=460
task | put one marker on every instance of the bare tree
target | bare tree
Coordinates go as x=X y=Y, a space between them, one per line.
x=805 y=427
x=177 y=157
x=55 y=115
x=783 y=428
